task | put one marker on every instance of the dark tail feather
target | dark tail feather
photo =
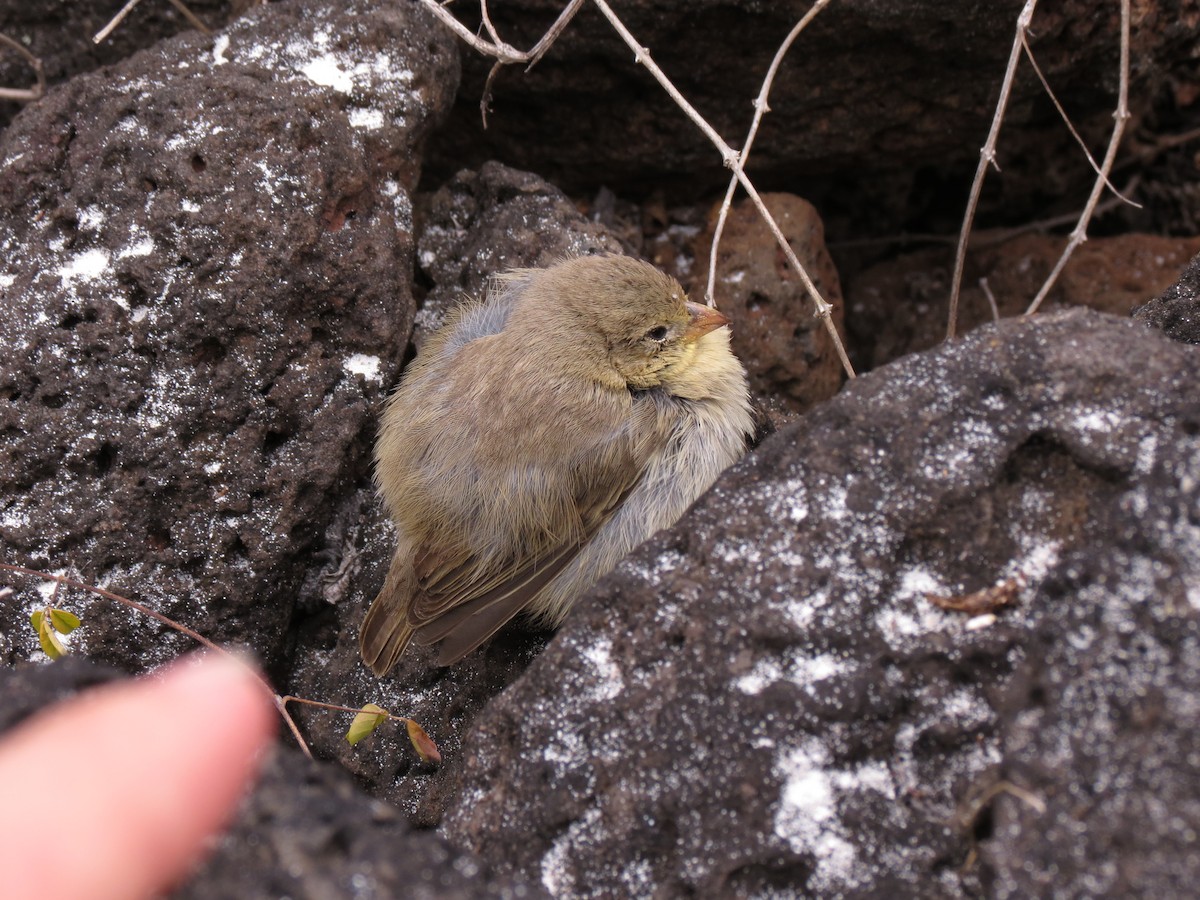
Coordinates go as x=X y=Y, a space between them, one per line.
x=385 y=630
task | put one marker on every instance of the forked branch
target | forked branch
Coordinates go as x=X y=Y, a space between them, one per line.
x=25 y=95
x=1121 y=116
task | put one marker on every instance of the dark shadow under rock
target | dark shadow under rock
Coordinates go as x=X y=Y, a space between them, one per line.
x=1177 y=312
x=768 y=698
x=900 y=306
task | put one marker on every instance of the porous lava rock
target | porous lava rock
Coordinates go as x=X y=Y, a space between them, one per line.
x=307 y=830
x=788 y=353
x=1176 y=312
x=206 y=272
x=60 y=34
x=771 y=699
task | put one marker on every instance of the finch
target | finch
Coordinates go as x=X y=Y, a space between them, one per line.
x=537 y=438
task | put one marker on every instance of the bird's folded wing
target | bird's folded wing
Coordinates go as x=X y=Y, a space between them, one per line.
x=462 y=601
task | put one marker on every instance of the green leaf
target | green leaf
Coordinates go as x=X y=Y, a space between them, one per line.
x=63 y=621
x=422 y=743
x=368 y=719
x=52 y=644
x=36 y=619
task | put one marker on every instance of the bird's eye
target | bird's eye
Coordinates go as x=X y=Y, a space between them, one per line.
x=658 y=333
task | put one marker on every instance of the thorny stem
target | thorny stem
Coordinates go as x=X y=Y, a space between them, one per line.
x=987 y=156
x=1070 y=127
x=760 y=109
x=731 y=158
x=500 y=50
x=504 y=53
x=1079 y=234
x=24 y=95
x=59 y=580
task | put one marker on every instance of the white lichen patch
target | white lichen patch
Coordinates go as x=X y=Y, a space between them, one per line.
x=797 y=668
x=86 y=266
x=364 y=365
x=806 y=815
x=607 y=681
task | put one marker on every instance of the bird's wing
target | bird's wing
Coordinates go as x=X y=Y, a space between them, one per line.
x=461 y=600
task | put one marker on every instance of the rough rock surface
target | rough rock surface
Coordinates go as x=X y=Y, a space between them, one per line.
x=206 y=272
x=787 y=352
x=59 y=33
x=765 y=700
x=899 y=306
x=308 y=831
x=305 y=830
x=479 y=223
x=1177 y=311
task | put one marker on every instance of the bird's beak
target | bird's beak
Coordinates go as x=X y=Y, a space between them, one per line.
x=704 y=320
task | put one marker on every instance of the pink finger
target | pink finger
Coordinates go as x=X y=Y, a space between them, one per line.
x=113 y=794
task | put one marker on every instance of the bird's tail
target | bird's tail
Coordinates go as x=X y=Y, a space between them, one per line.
x=385 y=630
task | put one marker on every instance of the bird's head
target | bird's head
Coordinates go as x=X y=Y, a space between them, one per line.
x=631 y=323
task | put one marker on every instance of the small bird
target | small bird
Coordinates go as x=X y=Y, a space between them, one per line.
x=538 y=437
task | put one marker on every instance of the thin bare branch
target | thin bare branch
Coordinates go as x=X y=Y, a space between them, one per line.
x=1121 y=116
x=281 y=707
x=115 y=21
x=760 y=109
x=991 y=298
x=504 y=53
x=192 y=18
x=289 y=698
x=987 y=156
x=25 y=95
x=170 y=623
x=501 y=50
x=552 y=33
x=487 y=22
x=1070 y=126
x=642 y=56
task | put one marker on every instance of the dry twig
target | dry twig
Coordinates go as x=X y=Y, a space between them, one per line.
x=59 y=580
x=504 y=53
x=987 y=600
x=1070 y=126
x=987 y=156
x=125 y=10
x=761 y=108
x=1121 y=116
x=25 y=95
x=991 y=298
